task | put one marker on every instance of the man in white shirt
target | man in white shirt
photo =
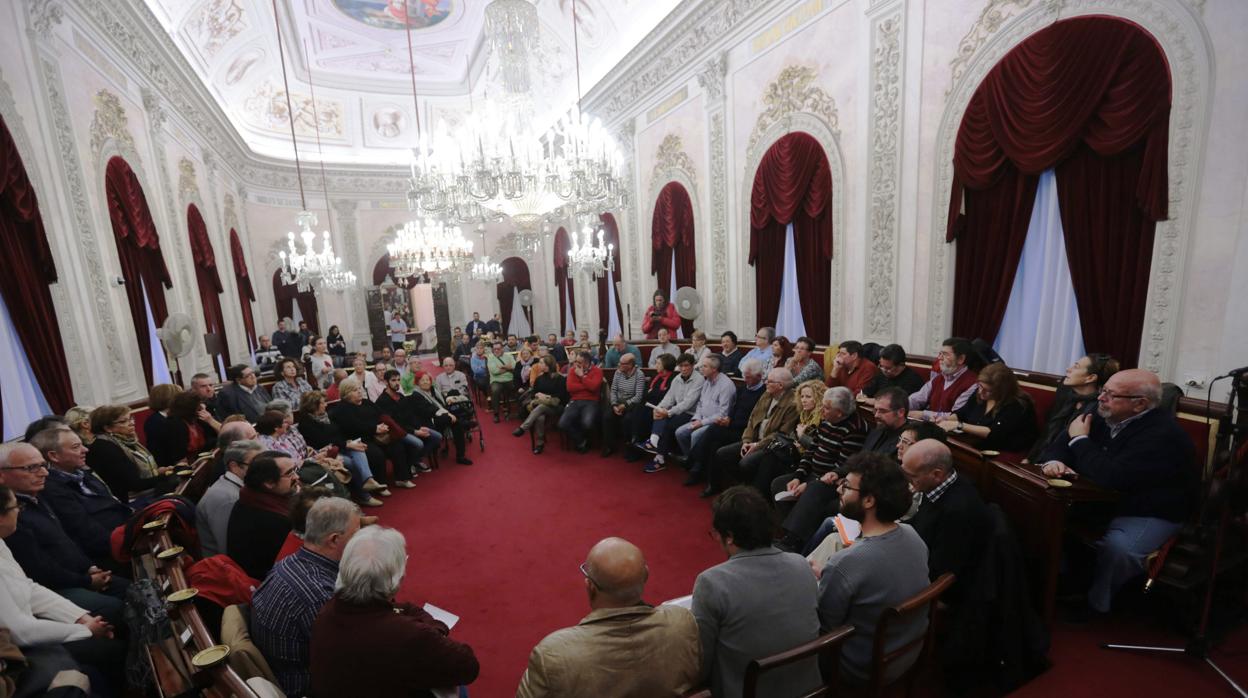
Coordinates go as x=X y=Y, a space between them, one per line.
x=398 y=331
x=212 y=514
x=665 y=347
x=715 y=402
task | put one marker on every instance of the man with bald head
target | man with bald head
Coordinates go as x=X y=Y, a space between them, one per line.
x=951 y=519
x=1140 y=451
x=624 y=647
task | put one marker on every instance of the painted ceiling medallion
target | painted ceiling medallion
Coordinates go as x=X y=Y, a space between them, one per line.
x=391 y=14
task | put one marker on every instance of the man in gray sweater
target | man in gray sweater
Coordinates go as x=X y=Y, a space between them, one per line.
x=760 y=602
x=628 y=389
x=886 y=565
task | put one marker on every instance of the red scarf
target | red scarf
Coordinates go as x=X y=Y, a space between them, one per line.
x=265 y=501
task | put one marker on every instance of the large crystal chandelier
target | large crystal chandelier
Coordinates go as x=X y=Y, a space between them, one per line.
x=592 y=259
x=512 y=32
x=339 y=280
x=303 y=265
x=428 y=247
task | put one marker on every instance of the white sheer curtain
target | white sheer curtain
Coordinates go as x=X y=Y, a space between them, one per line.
x=680 y=333
x=789 y=321
x=519 y=324
x=23 y=398
x=613 y=313
x=160 y=364
x=1041 y=328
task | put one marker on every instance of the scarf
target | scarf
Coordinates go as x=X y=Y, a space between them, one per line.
x=140 y=456
x=265 y=501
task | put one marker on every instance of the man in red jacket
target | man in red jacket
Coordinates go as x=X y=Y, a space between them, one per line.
x=581 y=414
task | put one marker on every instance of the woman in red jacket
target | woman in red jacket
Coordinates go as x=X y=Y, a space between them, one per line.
x=659 y=315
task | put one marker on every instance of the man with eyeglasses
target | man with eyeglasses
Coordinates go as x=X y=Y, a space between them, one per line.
x=243 y=395
x=891 y=409
x=949 y=388
x=212 y=513
x=88 y=511
x=762 y=345
x=624 y=647
x=45 y=550
x=260 y=519
x=774 y=415
x=1141 y=452
x=726 y=429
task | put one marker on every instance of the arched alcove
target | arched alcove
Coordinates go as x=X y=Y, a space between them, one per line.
x=207 y=278
x=563 y=281
x=287 y=296
x=673 y=243
x=246 y=293
x=515 y=279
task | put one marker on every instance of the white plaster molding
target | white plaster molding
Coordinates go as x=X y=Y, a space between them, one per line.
x=673 y=164
x=714 y=80
x=783 y=118
x=44 y=17
x=883 y=200
x=713 y=77
x=355 y=299
x=1178 y=30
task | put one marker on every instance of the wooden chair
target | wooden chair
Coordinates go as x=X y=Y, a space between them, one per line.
x=826 y=647
x=923 y=602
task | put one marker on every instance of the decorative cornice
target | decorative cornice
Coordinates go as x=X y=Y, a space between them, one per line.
x=884 y=203
x=793 y=92
x=109 y=123
x=44 y=16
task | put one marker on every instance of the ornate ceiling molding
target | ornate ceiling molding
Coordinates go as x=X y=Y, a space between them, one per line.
x=793 y=92
x=713 y=77
x=45 y=16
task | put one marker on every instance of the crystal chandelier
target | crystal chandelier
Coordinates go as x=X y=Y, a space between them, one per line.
x=339 y=280
x=302 y=264
x=512 y=32
x=485 y=271
x=428 y=247
x=587 y=258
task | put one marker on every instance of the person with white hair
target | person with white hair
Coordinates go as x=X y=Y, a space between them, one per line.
x=285 y=606
x=726 y=429
x=364 y=643
x=840 y=434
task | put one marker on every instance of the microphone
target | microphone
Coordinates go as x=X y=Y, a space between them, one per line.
x=1234 y=374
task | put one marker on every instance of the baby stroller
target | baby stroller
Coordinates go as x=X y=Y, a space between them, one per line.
x=465 y=412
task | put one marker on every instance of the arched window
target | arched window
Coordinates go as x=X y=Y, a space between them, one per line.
x=142 y=264
x=289 y=297
x=673 y=259
x=517 y=319
x=791 y=237
x=246 y=294
x=1089 y=100
x=610 y=308
x=563 y=282
x=34 y=376
x=207 y=278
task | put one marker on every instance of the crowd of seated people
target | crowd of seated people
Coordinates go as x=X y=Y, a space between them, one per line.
x=865 y=443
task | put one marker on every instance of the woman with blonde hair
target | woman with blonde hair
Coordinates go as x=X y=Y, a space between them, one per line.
x=698 y=349
x=79 y=419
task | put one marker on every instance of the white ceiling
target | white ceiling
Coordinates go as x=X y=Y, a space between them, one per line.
x=356 y=53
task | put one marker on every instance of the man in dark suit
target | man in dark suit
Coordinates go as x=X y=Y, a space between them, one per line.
x=495 y=325
x=260 y=519
x=952 y=520
x=1140 y=451
x=242 y=395
x=892 y=406
x=87 y=510
x=286 y=341
x=475 y=326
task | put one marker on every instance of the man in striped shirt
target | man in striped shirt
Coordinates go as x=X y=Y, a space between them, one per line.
x=286 y=604
x=628 y=389
x=839 y=435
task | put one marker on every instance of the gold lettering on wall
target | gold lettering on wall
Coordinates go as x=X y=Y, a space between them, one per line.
x=787 y=25
x=667 y=105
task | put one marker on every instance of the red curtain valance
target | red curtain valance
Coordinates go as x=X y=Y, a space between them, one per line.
x=246 y=294
x=201 y=247
x=672 y=224
x=563 y=243
x=28 y=269
x=1097 y=81
x=563 y=282
x=128 y=209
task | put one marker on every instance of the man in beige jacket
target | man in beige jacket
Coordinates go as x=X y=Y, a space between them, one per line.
x=775 y=413
x=624 y=648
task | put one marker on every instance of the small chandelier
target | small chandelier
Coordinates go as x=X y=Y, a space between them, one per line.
x=485 y=271
x=511 y=29
x=302 y=265
x=428 y=247
x=587 y=258
x=339 y=280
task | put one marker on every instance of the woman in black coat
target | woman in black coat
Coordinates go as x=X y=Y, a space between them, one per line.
x=361 y=458
x=120 y=460
x=357 y=418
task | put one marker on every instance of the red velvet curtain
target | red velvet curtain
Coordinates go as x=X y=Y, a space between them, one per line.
x=206 y=276
x=28 y=269
x=246 y=294
x=287 y=295
x=381 y=270
x=793 y=184
x=138 y=250
x=515 y=277
x=611 y=235
x=1089 y=97
x=673 y=241
x=563 y=282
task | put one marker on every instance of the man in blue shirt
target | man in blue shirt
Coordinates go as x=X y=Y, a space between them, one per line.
x=286 y=604
x=619 y=347
x=762 y=346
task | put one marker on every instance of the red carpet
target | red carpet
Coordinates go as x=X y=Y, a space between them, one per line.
x=498 y=544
